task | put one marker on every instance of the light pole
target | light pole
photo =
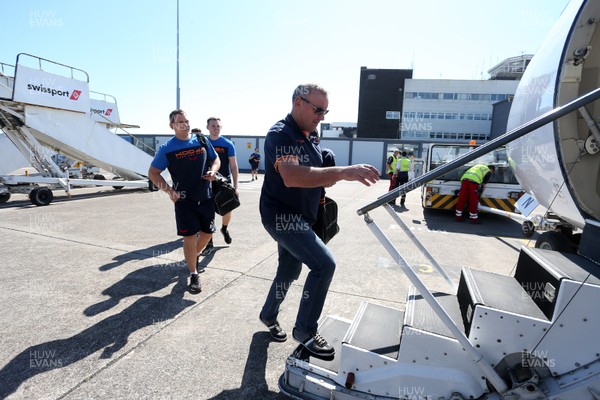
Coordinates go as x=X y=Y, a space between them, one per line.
x=177 y=62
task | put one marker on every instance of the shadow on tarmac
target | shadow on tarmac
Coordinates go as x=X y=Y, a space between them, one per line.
x=143 y=254
x=25 y=203
x=254 y=384
x=142 y=281
x=110 y=334
x=490 y=224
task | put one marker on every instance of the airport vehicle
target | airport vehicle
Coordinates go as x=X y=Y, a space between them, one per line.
x=501 y=192
x=531 y=335
x=44 y=114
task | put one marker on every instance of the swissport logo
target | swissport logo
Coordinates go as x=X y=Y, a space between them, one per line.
x=75 y=95
x=54 y=92
x=99 y=111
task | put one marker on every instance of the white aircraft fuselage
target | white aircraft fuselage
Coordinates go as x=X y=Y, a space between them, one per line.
x=551 y=162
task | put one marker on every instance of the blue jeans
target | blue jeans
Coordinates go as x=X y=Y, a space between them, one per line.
x=297 y=244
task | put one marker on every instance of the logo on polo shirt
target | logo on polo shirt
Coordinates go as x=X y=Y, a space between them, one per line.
x=190 y=154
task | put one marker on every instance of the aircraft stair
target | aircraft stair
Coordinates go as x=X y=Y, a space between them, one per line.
x=515 y=323
x=44 y=113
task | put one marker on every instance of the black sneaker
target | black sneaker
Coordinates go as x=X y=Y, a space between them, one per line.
x=194 y=286
x=208 y=249
x=199 y=268
x=316 y=345
x=225 y=233
x=277 y=333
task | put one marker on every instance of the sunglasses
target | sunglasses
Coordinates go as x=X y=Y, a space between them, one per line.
x=316 y=110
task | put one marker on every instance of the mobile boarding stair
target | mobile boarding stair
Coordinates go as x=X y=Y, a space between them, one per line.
x=532 y=335
x=45 y=113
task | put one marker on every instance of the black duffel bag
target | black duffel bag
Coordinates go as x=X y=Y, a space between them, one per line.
x=326 y=226
x=226 y=199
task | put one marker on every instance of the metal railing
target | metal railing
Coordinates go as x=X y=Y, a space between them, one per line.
x=40 y=60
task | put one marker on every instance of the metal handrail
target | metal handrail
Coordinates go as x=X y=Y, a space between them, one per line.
x=516 y=133
x=2 y=64
x=40 y=59
x=104 y=97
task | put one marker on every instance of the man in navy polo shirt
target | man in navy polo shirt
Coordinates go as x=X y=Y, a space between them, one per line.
x=193 y=165
x=294 y=179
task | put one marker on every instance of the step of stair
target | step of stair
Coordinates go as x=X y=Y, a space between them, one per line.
x=496 y=291
x=540 y=272
x=420 y=315
x=376 y=328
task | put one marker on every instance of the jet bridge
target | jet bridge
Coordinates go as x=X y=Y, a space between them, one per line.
x=44 y=113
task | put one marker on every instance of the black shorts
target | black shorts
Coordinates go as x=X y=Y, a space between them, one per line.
x=192 y=217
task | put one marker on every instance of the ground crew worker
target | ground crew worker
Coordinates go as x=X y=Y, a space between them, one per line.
x=472 y=186
x=401 y=171
x=391 y=164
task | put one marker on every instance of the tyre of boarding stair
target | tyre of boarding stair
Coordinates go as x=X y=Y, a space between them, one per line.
x=554 y=240
x=151 y=186
x=4 y=197
x=118 y=187
x=99 y=177
x=41 y=196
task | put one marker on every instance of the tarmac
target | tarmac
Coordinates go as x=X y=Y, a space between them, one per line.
x=95 y=306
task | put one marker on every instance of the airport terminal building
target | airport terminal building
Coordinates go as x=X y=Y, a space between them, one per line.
x=450 y=110
x=393 y=105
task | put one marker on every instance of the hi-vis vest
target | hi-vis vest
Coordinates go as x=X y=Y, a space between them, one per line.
x=392 y=165
x=476 y=173
x=403 y=165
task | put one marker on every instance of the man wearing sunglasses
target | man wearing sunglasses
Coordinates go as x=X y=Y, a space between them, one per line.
x=294 y=179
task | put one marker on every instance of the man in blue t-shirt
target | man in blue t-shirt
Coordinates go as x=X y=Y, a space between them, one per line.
x=193 y=165
x=289 y=200
x=254 y=162
x=229 y=169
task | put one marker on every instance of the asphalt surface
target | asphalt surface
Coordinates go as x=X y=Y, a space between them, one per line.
x=94 y=302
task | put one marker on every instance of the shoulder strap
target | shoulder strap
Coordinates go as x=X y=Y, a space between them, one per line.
x=202 y=139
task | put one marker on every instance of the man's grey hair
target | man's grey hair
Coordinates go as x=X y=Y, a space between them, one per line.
x=306 y=89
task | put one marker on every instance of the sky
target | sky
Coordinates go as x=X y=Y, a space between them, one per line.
x=241 y=60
